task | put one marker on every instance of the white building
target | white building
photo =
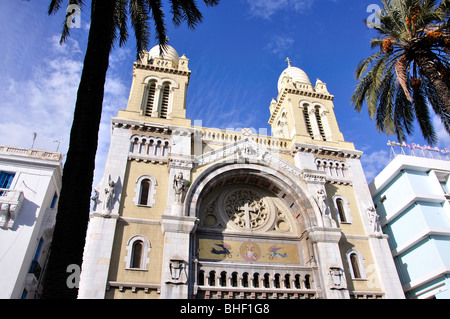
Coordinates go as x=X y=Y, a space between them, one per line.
x=30 y=181
x=412 y=198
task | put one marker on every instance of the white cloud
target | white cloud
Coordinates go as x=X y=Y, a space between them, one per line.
x=267 y=8
x=443 y=136
x=279 y=45
x=374 y=163
x=44 y=103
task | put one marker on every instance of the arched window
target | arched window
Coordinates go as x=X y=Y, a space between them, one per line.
x=297 y=282
x=266 y=281
x=201 y=278
x=165 y=149
x=134 y=145
x=145 y=191
x=164 y=101
x=151 y=147
x=287 y=281
x=150 y=98
x=356 y=263
x=138 y=248
x=212 y=278
x=342 y=209
x=245 y=280
x=158 y=149
x=136 y=255
x=256 y=280
x=234 y=279
x=319 y=123
x=223 y=279
x=145 y=188
x=307 y=120
x=277 y=281
x=307 y=282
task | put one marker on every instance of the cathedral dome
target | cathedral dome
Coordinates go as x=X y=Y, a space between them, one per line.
x=169 y=54
x=297 y=75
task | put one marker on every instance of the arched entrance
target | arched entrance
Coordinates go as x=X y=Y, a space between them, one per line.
x=251 y=239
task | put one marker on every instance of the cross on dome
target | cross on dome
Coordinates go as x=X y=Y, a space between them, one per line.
x=288 y=62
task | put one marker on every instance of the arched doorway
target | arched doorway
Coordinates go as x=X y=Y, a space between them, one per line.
x=251 y=235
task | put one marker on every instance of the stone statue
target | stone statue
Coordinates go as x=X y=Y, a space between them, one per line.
x=95 y=199
x=374 y=220
x=179 y=186
x=109 y=198
x=321 y=199
x=322 y=203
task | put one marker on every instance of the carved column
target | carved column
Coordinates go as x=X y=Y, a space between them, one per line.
x=330 y=268
x=102 y=224
x=176 y=259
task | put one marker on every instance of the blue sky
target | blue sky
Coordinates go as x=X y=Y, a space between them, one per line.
x=236 y=56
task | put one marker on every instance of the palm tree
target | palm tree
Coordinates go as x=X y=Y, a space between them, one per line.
x=108 y=24
x=410 y=70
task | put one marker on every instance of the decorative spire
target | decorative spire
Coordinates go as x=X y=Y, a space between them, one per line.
x=288 y=62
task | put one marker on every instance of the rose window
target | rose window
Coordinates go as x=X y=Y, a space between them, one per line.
x=246 y=209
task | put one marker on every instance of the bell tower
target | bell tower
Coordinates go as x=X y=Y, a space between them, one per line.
x=158 y=90
x=303 y=112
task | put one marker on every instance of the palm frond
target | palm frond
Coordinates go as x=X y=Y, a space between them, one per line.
x=54 y=6
x=187 y=11
x=385 y=110
x=120 y=20
x=403 y=115
x=423 y=115
x=140 y=22
x=155 y=9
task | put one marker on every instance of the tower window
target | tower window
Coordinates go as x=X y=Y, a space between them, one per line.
x=319 y=123
x=150 y=99
x=164 y=102
x=307 y=121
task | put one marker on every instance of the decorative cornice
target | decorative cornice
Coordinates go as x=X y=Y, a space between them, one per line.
x=323 y=96
x=162 y=69
x=325 y=150
x=151 y=127
x=181 y=161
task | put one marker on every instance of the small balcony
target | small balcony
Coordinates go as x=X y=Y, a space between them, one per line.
x=10 y=203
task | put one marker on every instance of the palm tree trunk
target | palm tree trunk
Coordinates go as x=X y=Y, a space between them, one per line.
x=74 y=203
x=429 y=69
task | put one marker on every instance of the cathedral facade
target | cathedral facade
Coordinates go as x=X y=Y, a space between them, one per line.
x=185 y=211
